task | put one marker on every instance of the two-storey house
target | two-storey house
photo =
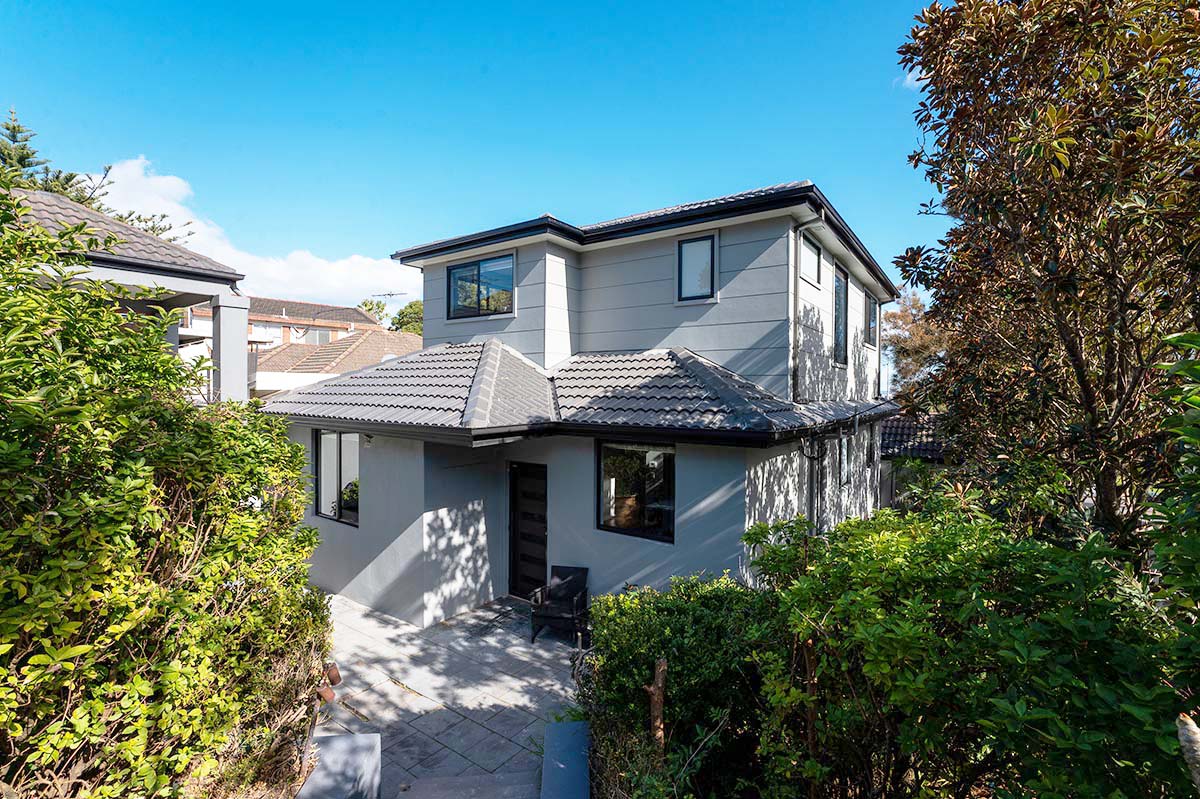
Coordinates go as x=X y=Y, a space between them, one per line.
x=625 y=396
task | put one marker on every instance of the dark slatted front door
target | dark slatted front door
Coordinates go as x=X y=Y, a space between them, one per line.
x=527 y=528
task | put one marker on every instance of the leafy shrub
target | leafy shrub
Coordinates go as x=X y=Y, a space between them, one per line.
x=934 y=653
x=700 y=626
x=157 y=634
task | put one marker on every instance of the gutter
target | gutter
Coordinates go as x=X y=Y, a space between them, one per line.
x=160 y=268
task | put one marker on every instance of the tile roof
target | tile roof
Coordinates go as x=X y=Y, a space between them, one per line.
x=907 y=436
x=347 y=354
x=429 y=388
x=137 y=247
x=295 y=310
x=714 y=202
x=284 y=357
x=488 y=385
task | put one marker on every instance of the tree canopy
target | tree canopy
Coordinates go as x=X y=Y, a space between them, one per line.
x=28 y=169
x=410 y=318
x=375 y=308
x=1059 y=135
x=916 y=344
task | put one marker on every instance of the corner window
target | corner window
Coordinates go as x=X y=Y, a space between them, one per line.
x=697 y=269
x=871 y=322
x=337 y=475
x=840 y=298
x=636 y=495
x=810 y=260
x=481 y=288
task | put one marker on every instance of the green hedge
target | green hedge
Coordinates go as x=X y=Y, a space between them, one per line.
x=925 y=654
x=702 y=627
x=157 y=635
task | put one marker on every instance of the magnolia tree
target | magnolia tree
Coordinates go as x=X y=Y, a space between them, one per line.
x=1060 y=136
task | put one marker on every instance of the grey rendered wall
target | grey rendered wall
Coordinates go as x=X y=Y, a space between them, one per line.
x=777 y=480
x=816 y=376
x=466 y=529
x=709 y=515
x=380 y=562
x=544 y=326
x=628 y=301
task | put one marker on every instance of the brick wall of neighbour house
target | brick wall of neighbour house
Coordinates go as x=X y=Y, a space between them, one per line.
x=765 y=323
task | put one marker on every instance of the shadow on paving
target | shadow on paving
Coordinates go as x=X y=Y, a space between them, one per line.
x=470 y=695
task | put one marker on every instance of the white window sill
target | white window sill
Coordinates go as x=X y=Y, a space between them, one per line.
x=488 y=318
x=700 y=301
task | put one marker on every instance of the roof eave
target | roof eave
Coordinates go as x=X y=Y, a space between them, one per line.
x=549 y=226
x=161 y=268
x=542 y=226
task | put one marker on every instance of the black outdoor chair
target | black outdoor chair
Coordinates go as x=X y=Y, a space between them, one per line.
x=562 y=605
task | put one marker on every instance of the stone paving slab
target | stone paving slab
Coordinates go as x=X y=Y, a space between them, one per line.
x=468 y=696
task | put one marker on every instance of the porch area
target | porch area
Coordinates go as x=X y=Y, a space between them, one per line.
x=468 y=696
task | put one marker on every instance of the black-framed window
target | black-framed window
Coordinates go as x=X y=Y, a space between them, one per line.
x=336 y=457
x=810 y=259
x=696 y=275
x=480 y=288
x=841 y=296
x=636 y=491
x=871 y=319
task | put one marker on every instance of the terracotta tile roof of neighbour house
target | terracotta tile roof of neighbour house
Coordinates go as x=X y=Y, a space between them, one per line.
x=297 y=311
x=485 y=386
x=284 y=357
x=137 y=248
x=347 y=354
x=906 y=436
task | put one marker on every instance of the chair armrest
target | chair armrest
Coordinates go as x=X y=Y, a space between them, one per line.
x=580 y=602
x=538 y=597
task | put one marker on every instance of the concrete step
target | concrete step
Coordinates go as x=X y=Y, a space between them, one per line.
x=520 y=785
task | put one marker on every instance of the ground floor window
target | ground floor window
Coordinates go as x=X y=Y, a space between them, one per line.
x=337 y=475
x=636 y=495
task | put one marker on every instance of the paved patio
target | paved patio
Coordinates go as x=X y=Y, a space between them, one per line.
x=469 y=696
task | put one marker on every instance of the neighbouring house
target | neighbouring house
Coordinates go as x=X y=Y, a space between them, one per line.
x=272 y=323
x=626 y=396
x=290 y=366
x=142 y=259
x=905 y=438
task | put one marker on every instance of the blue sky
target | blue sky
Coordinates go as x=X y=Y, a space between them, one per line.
x=345 y=135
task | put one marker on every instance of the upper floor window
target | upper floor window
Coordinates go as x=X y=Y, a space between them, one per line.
x=311 y=335
x=480 y=288
x=636 y=495
x=810 y=260
x=841 y=288
x=871 y=322
x=697 y=268
x=337 y=475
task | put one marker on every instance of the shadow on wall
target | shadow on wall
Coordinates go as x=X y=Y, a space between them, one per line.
x=458 y=565
x=816 y=376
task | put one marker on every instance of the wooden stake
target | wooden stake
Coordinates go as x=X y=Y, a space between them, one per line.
x=657 y=691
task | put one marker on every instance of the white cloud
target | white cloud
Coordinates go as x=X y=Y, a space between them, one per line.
x=913 y=79
x=298 y=275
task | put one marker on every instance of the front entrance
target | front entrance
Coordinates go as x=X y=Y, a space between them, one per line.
x=526 y=528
